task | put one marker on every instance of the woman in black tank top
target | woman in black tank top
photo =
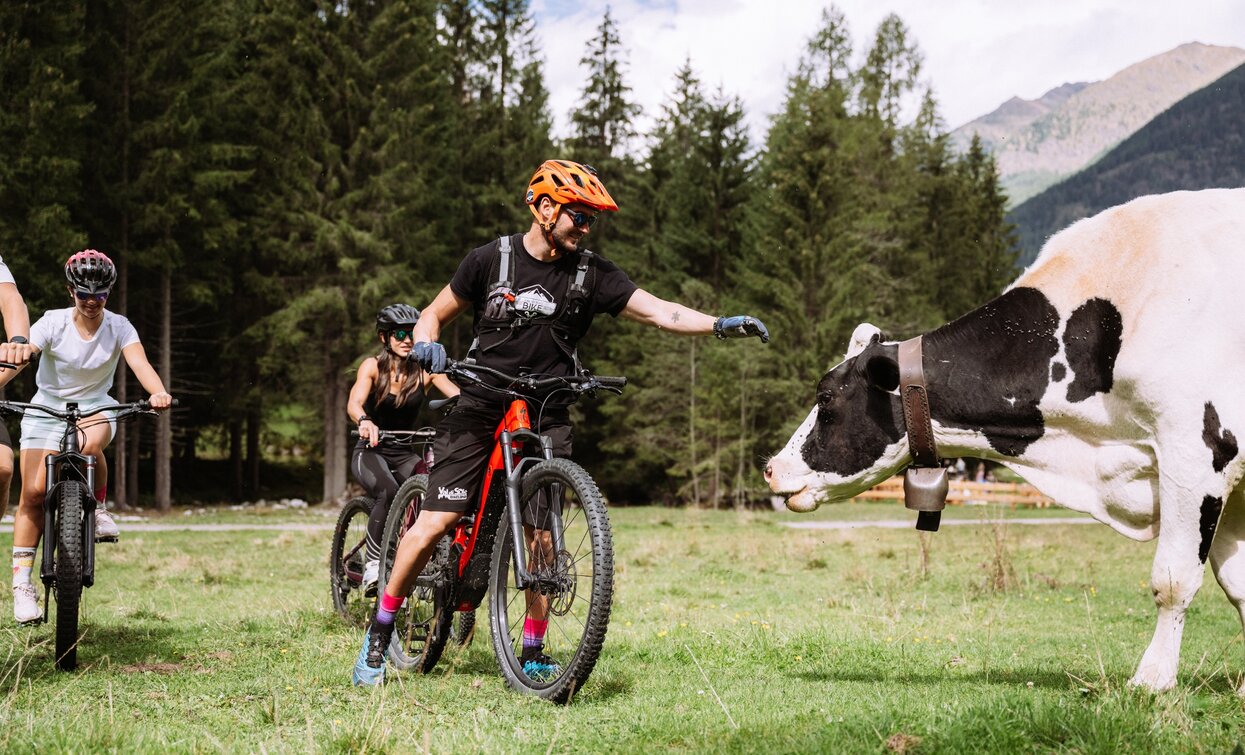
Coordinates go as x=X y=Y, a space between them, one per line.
x=388 y=393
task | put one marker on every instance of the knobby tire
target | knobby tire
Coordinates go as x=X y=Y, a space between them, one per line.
x=345 y=567
x=421 y=624
x=69 y=562
x=575 y=636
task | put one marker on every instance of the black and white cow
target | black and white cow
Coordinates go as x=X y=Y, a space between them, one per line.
x=1106 y=375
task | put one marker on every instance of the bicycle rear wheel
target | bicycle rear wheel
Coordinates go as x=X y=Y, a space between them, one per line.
x=410 y=646
x=346 y=560
x=69 y=561
x=574 y=588
x=422 y=625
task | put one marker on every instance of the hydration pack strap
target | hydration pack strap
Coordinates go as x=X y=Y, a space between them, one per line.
x=503 y=266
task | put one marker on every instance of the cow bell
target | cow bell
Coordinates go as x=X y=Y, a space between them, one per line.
x=925 y=491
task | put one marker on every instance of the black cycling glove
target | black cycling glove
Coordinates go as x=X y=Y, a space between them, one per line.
x=431 y=356
x=740 y=326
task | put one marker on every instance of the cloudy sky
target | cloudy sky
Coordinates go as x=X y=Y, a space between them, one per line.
x=978 y=53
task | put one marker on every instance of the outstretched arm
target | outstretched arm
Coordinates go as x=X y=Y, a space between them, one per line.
x=645 y=308
x=136 y=358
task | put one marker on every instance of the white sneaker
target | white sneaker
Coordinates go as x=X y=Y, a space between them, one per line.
x=105 y=528
x=371 y=575
x=26 y=604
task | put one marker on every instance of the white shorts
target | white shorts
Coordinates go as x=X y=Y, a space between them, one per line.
x=42 y=432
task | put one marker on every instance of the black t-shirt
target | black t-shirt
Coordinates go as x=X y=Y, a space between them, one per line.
x=533 y=349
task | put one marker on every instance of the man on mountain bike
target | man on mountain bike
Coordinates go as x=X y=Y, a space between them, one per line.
x=534 y=296
x=16 y=351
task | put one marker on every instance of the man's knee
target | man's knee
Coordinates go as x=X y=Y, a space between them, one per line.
x=434 y=524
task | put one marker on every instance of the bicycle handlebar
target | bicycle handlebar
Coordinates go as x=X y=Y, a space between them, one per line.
x=585 y=383
x=142 y=406
x=412 y=436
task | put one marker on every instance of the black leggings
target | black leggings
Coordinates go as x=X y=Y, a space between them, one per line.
x=381 y=471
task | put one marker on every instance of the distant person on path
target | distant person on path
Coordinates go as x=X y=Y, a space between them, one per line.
x=80 y=348
x=388 y=392
x=533 y=297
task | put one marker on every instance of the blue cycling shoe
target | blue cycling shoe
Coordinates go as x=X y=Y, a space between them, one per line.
x=369 y=666
x=538 y=666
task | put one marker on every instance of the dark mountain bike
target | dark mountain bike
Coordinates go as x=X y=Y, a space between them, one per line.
x=538 y=541
x=68 y=563
x=348 y=553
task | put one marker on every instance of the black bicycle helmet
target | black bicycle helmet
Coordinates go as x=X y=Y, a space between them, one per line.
x=395 y=316
x=90 y=271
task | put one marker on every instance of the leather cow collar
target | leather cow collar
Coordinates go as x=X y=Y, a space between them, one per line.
x=925 y=481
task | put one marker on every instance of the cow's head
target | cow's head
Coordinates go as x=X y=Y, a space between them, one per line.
x=854 y=437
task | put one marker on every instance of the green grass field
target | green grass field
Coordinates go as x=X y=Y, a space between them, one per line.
x=730 y=633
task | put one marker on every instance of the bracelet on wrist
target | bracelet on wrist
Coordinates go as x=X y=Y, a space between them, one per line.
x=363 y=418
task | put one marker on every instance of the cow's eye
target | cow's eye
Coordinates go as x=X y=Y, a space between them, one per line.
x=825 y=397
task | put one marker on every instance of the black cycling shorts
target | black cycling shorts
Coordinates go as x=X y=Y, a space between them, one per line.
x=462 y=448
x=5 y=440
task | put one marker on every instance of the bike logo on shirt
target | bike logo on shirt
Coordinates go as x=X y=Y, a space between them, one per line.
x=534 y=302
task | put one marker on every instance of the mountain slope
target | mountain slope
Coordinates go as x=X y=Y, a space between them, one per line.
x=1199 y=143
x=1064 y=137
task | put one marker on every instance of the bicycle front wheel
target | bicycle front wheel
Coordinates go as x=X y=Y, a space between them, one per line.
x=69 y=561
x=574 y=583
x=346 y=560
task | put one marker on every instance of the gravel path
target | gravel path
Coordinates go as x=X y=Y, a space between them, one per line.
x=899 y=524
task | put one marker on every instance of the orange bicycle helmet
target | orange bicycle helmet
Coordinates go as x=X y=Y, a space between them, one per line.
x=566 y=182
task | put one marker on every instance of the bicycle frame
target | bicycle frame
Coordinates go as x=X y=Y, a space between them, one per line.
x=473 y=536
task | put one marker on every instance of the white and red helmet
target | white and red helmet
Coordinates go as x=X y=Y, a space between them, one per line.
x=90 y=271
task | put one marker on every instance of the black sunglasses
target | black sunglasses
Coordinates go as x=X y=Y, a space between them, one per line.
x=402 y=335
x=581 y=219
x=87 y=295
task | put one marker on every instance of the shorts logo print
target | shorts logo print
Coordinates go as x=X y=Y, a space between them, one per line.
x=457 y=494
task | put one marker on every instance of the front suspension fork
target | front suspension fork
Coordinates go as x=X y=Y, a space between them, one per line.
x=523 y=578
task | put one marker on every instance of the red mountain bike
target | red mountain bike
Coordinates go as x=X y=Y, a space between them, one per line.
x=557 y=561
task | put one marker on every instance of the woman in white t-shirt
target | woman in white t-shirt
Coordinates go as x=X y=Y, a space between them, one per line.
x=79 y=347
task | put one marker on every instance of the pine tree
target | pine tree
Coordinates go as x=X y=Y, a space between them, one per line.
x=602 y=131
x=44 y=120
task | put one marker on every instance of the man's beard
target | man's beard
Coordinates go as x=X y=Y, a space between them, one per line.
x=563 y=243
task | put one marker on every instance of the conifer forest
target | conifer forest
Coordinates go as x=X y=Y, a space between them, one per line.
x=267 y=174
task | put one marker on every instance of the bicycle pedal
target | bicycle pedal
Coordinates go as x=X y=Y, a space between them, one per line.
x=106 y=539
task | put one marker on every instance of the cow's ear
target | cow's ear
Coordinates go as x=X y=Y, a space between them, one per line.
x=882 y=370
x=862 y=336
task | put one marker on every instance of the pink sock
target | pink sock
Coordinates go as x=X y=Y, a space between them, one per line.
x=534 y=632
x=389 y=606
x=101 y=495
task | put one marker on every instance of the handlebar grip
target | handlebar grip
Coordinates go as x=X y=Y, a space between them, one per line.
x=612 y=382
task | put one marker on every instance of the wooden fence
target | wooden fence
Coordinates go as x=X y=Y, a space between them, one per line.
x=967 y=492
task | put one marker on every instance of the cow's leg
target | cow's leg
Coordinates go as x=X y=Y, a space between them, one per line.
x=1227 y=555
x=1174 y=579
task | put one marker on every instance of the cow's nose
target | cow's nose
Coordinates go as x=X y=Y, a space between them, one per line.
x=769 y=472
